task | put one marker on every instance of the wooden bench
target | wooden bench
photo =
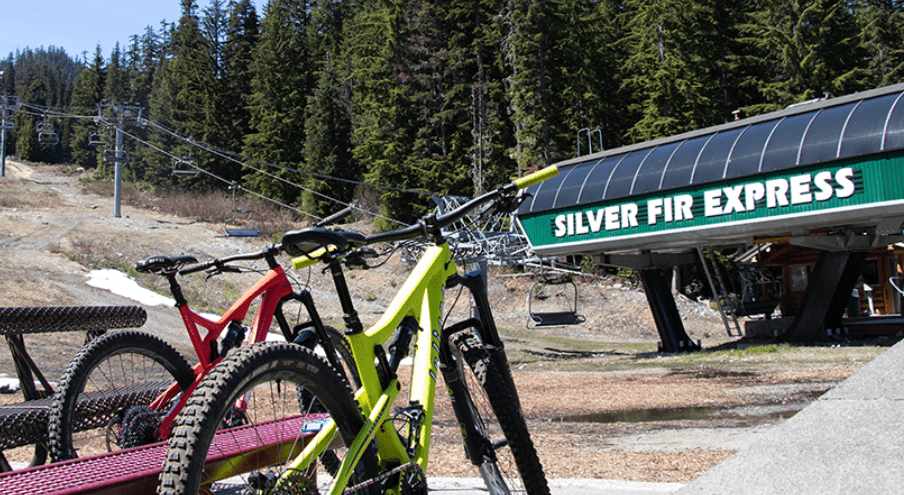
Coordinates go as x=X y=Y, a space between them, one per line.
x=25 y=423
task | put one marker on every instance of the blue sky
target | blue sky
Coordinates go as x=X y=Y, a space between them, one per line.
x=79 y=25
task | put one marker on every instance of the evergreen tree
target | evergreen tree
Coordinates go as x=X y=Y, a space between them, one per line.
x=882 y=32
x=421 y=68
x=382 y=118
x=480 y=132
x=89 y=91
x=243 y=34
x=43 y=80
x=327 y=30
x=117 y=90
x=327 y=149
x=38 y=94
x=585 y=76
x=8 y=79
x=671 y=69
x=144 y=60
x=280 y=86
x=180 y=96
x=216 y=100
x=527 y=52
x=807 y=49
x=154 y=168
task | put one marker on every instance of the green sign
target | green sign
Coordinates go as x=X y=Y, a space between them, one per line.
x=765 y=196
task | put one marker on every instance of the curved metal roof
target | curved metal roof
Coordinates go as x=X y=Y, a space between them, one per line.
x=806 y=134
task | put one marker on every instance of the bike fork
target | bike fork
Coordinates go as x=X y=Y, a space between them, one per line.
x=486 y=327
x=474 y=441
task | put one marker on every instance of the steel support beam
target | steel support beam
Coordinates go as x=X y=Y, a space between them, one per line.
x=665 y=312
x=826 y=296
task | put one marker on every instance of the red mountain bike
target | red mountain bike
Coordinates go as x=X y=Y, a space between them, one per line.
x=125 y=388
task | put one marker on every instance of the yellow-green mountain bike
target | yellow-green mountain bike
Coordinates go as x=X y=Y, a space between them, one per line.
x=307 y=424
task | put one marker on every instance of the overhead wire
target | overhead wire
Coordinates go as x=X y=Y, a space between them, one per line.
x=233 y=157
x=244 y=161
x=241 y=159
x=214 y=176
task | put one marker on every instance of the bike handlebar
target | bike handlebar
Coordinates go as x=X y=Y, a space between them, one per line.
x=457 y=214
x=313 y=243
x=220 y=263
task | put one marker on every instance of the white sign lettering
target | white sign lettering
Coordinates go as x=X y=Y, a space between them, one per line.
x=743 y=198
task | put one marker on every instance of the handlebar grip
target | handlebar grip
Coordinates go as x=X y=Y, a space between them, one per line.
x=307 y=260
x=537 y=177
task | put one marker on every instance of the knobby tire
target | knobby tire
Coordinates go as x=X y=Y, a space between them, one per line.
x=496 y=414
x=278 y=380
x=118 y=370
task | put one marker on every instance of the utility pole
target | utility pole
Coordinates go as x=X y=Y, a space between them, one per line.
x=117 y=167
x=122 y=115
x=7 y=104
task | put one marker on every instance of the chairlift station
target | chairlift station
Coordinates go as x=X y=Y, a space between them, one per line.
x=825 y=175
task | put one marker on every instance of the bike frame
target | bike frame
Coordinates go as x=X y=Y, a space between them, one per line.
x=274 y=287
x=420 y=297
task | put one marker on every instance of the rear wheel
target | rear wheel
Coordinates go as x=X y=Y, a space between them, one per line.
x=509 y=461
x=287 y=394
x=117 y=375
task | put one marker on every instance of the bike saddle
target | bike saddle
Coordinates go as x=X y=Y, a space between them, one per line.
x=305 y=241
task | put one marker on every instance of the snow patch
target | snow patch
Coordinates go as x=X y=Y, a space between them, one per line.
x=121 y=284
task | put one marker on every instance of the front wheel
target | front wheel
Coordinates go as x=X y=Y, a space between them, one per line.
x=508 y=461
x=287 y=395
x=116 y=375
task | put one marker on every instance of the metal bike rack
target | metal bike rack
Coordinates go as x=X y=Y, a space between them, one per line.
x=26 y=423
x=135 y=471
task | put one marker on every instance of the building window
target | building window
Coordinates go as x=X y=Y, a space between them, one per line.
x=800 y=275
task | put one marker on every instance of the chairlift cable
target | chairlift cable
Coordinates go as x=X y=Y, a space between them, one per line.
x=42 y=111
x=240 y=157
x=214 y=176
x=232 y=156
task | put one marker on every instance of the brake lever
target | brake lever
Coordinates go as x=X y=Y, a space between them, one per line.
x=359 y=257
x=218 y=269
x=507 y=204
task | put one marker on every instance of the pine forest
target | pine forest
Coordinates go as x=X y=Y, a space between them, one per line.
x=315 y=103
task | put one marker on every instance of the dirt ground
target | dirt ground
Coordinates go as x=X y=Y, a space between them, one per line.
x=599 y=400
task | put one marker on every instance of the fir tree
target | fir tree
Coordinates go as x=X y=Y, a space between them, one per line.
x=116 y=90
x=89 y=91
x=216 y=99
x=178 y=99
x=144 y=60
x=327 y=149
x=280 y=86
x=382 y=136
x=882 y=32
x=584 y=76
x=807 y=49
x=420 y=68
x=242 y=36
x=527 y=52
x=671 y=67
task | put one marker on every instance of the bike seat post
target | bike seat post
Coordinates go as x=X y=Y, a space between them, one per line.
x=350 y=315
x=175 y=289
x=270 y=256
